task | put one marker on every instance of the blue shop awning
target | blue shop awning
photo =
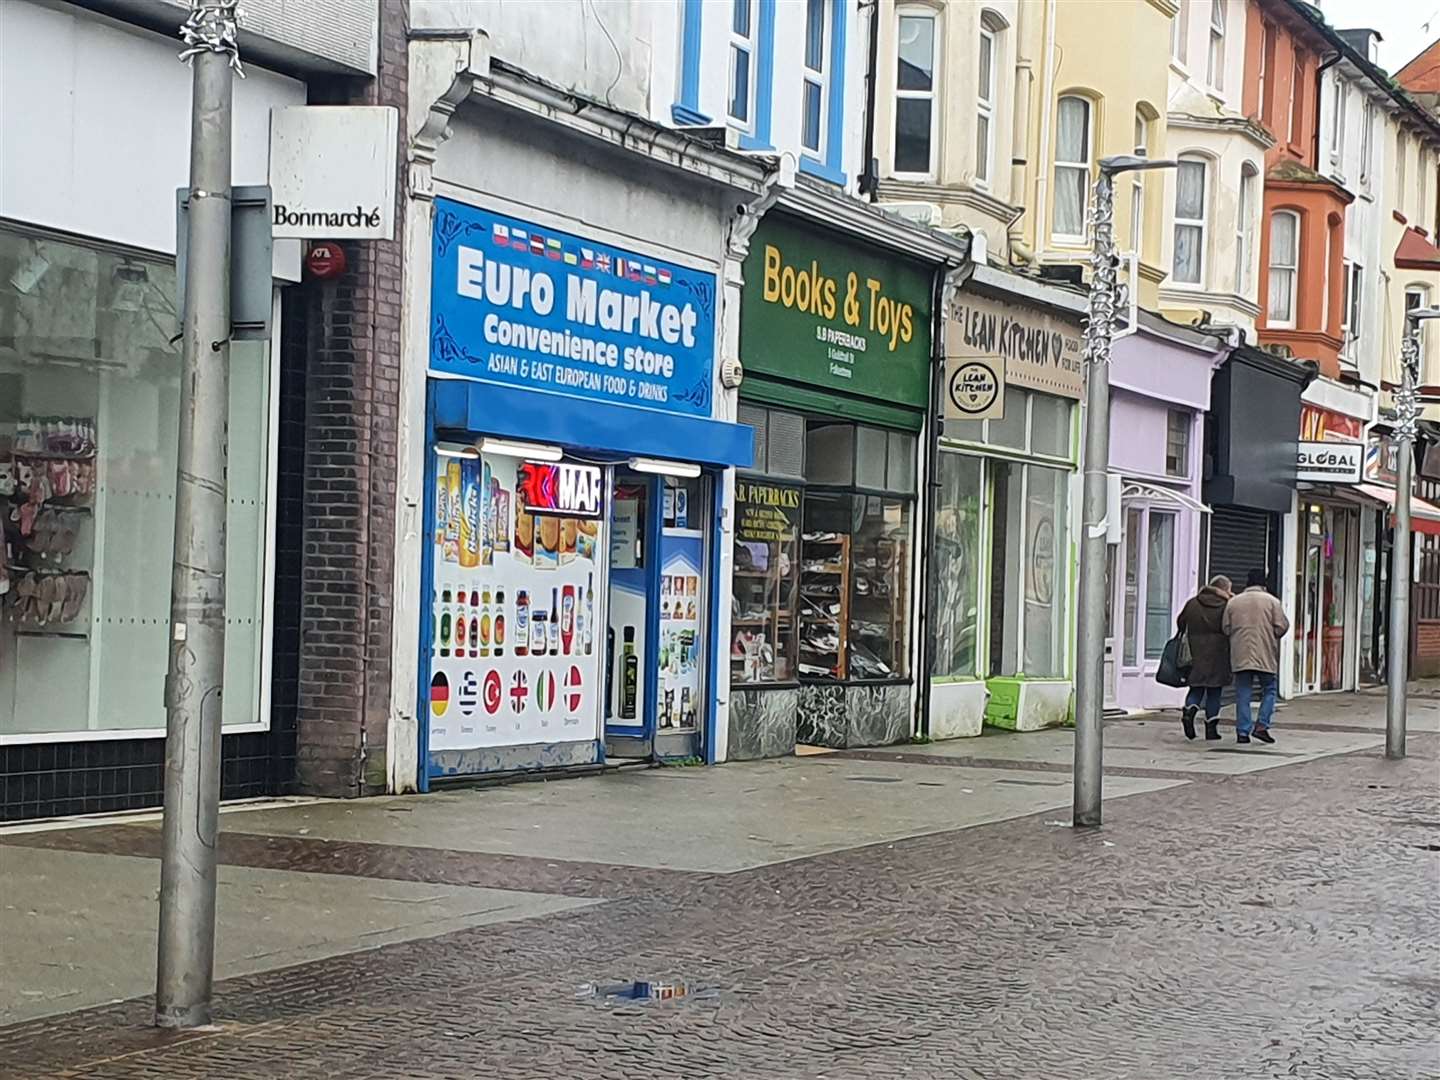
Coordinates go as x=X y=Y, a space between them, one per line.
x=612 y=430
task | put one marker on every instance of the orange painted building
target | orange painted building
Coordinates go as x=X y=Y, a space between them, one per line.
x=1302 y=241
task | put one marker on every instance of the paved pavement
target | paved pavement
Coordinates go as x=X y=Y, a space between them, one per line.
x=925 y=914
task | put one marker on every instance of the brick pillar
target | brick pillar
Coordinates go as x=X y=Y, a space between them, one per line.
x=351 y=418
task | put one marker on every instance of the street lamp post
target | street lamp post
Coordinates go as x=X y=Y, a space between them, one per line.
x=1407 y=409
x=1099 y=334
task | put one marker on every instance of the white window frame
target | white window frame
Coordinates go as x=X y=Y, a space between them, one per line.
x=932 y=95
x=1187 y=421
x=749 y=46
x=1402 y=153
x=1245 y=206
x=1422 y=300
x=1179 y=28
x=1215 y=51
x=1084 y=165
x=1297 y=98
x=1339 y=105
x=819 y=79
x=1367 y=141
x=1137 y=186
x=1352 y=311
x=985 y=108
x=1293 y=268
x=1266 y=78
x=1199 y=224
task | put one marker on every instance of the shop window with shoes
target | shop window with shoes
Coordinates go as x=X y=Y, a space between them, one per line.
x=89 y=423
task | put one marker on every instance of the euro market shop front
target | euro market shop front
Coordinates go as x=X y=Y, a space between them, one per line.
x=571 y=489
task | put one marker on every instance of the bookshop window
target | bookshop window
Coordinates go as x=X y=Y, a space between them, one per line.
x=767 y=546
x=89 y=424
x=855 y=553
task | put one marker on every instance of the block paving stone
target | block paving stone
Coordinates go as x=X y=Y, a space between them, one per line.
x=1279 y=924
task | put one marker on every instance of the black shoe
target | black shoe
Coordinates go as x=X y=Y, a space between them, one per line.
x=1187 y=720
x=1212 y=729
x=1242 y=739
x=1263 y=734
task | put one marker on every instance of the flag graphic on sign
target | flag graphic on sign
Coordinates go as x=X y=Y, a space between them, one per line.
x=649 y=274
x=664 y=276
x=439 y=693
x=519 y=691
x=602 y=263
x=537 y=244
x=572 y=689
x=519 y=239
x=500 y=234
x=619 y=267
x=587 y=258
x=571 y=259
x=545 y=691
x=552 y=248
x=492 y=696
x=469 y=693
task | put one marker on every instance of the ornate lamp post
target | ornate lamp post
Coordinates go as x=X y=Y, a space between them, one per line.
x=1407 y=409
x=1099 y=334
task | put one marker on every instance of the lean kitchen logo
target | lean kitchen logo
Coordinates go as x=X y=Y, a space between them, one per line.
x=332 y=172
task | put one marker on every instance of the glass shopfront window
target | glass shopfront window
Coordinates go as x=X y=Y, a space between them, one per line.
x=89 y=423
x=1027 y=507
x=822 y=571
x=958 y=565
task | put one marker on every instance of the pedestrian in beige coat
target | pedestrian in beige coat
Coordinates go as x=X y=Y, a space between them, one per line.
x=1255 y=621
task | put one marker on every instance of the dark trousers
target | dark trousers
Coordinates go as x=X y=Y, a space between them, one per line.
x=1209 y=696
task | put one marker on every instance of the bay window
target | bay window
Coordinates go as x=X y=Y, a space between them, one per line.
x=1189 y=262
x=1245 y=229
x=1072 y=168
x=985 y=109
x=915 y=100
x=1284 y=267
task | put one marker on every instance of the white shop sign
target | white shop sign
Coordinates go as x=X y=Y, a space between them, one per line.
x=332 y=171
x=1330 y=462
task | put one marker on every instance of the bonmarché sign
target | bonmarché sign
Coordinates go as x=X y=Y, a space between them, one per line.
x=1040 y=351
x=332 y=172
x=816 y=310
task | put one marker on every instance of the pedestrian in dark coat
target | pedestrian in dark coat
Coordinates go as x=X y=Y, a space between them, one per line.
x=1202 y=619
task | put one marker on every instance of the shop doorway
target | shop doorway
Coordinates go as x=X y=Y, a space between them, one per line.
x=657 y=643
x=1324 y=581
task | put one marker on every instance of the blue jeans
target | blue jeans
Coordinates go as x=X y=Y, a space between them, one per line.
x=1209 y=696
x=1243 y=683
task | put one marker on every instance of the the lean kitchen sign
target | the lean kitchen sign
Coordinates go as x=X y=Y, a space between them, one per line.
x=332 y=172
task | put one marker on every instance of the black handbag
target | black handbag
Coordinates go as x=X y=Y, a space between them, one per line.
x=1175 y=661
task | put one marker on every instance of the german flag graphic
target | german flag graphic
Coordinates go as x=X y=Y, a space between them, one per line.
x=439 y=694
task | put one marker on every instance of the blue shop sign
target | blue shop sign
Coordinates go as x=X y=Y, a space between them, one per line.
x=528 y=306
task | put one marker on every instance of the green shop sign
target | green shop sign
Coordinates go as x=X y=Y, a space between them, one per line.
x=835 y=316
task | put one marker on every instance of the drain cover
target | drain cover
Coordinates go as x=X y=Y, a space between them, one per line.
x=644 y=991
x=875 y=779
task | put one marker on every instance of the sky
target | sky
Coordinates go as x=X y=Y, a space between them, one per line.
x=1406 y=25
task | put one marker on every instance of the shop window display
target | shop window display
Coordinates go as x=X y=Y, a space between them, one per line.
x=767 y=546
x=957 y=558
x=89 y=421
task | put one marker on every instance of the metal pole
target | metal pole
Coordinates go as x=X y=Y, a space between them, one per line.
x=1090 y=662
x=1398 y=639
x=186 y=961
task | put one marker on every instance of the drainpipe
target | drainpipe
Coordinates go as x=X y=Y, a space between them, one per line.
x=1019 y=136
x=1047 y=91
x=870 y=174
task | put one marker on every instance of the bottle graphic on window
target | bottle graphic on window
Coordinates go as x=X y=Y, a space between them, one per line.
x=497 y=625
x=474 y=624
x=567 y=618
x=554 y=622
x=522 y=623
x=589 y=635
x=485 y=623
x=445 y=617
x=629 y=675
x=459 y=624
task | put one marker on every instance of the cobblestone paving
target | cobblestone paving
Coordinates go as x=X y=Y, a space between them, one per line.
x=1282 y=924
